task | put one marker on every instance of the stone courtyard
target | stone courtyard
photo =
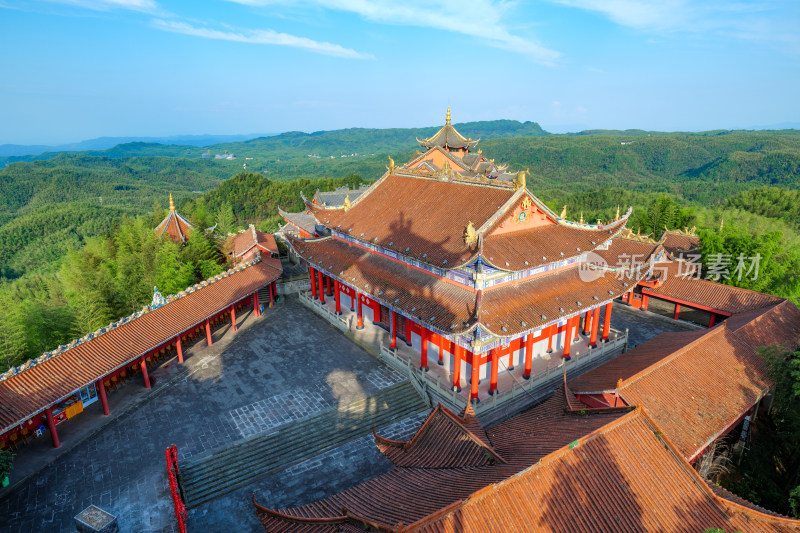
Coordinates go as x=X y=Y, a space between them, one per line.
x=277 y=370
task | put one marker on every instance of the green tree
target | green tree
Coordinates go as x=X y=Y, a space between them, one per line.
x=225 y=219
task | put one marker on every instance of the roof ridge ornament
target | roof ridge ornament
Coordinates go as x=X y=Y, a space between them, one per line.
x=392 y=168
x=520 y=181
x=347 y=204
x=470 y=235
x=171 y=203
x=447 y=118
x=563 y=212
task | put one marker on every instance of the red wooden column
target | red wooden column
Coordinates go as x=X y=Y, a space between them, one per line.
x=587 y=322
x=353 y=300
x=712 y=319
x=595 y=323
x=143 y=365
x=577 y=326
x=179 y=349
x=51 y=425
x=677 y=314
x=607 y=322
x=393 y=327
x=101 y=391
x=645 y=299
x=256 y=307
x=493 y=380
x=526 y=374
x=208 y=332
x=423 y=360
x=408 y=331
x=440 y=362
x=552 y=330
x=233 y=318
x=568 y=338
x=337 y=296
x=457 y=351
x=330 y=286
x=360 y=324
x=313 y=275
x=321 y=287
x=476 y=365
x=271 y=294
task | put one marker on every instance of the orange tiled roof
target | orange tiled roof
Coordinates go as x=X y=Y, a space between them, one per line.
x=695 y=393
x=175 y=226
x=36 y=388
x=623 y=252
x=243 y=241
x=541 y=245
x=442 y=429
x=676 y=242
x=623 y=477
x=710 y=294
x=404 y=495
x=431 y=300
x=606 y=377
x=419 y=217
x=517 y=307
x=779 y=324
x=451 y=308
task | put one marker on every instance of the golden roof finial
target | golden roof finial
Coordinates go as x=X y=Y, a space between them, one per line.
x=581 y=217
x=347 y=202
x=564 y=212
x=447 y=120
x=617 y=217
x=392 y=168
x=171 y=203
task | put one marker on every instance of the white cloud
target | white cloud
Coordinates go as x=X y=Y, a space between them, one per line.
x=259 y=37
x=767 y=21
x=483 y=19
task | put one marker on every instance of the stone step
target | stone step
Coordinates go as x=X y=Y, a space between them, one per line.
x=204 y=478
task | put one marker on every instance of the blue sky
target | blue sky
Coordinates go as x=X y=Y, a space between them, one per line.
x=77 y=69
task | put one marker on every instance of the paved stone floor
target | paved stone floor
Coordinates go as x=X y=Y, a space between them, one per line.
x=276 y=369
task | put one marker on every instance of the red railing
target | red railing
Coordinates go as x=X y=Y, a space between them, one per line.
x=172 y=473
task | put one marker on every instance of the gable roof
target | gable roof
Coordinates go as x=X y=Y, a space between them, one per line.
x=337 y=196
x=245 y=240
x=448 y=136
x=624 y=477
x=676 y=241
x=443 y=441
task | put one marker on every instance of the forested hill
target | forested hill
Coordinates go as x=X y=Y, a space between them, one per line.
x=363 y=141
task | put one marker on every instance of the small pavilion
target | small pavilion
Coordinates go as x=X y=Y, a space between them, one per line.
x=174 y=225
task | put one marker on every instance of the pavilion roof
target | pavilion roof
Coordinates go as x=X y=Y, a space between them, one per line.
x=450 y=308
x=448 y=137
x=679 y=379
x=59 y=374
x=777 y=324
x=174 y=225
x=706 y=293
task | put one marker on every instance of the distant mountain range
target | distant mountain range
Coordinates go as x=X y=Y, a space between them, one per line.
x=103 y=143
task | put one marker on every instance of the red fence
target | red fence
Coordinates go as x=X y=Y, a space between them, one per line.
x=172 y=472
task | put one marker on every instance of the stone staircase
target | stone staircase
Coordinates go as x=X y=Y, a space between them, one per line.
x=220 y=472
